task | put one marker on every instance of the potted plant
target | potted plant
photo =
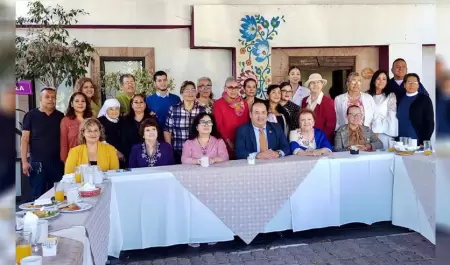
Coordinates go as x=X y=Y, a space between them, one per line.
x=143 y=80
x=46 y=51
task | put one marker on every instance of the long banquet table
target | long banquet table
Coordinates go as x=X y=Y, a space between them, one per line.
x=164 y=206
x=153 y=207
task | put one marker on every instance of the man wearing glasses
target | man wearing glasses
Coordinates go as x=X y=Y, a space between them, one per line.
x=127 y=84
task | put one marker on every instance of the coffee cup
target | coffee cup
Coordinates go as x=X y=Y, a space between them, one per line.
x=73 y=195
x=204 y=161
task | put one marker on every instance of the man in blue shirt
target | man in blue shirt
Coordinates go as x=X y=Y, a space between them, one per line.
x=400 y=69
x=161 y=100
x=264 y=140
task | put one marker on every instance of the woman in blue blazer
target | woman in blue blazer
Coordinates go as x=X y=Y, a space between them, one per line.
x=308 y=140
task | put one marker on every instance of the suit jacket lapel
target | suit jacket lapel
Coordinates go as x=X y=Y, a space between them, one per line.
x=271 y=136
x=253 y=137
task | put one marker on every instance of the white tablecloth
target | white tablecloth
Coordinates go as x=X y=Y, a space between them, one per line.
x=414 y=194
x=150 y=208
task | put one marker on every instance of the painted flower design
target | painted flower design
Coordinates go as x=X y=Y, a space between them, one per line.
x=242 y=50
x=275 y=22
x=248 y=28
x=248 y=62
x=264 y=23
x=261 y=50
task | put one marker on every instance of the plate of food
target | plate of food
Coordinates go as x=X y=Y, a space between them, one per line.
x=37 y=205
x=75 y=207
x=42 y=214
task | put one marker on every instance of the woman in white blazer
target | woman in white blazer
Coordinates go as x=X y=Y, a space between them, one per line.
x=354 y=96
x=385 y=123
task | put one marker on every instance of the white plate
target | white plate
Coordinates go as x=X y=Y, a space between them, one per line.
x=24 y=206
x=22 y=214
x=84 y=207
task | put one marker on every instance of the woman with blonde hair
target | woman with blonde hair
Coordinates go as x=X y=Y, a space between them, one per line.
x=87 y=87
x=91 y=149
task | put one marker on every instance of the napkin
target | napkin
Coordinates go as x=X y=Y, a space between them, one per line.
x=19 y=223
x=88 y=187
x=43 y=201
x=68 y=178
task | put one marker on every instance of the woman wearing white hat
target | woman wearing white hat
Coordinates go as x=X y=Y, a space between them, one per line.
x=109 y=118
x=323 y=106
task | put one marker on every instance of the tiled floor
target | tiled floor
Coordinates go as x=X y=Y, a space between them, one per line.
x=377 y=245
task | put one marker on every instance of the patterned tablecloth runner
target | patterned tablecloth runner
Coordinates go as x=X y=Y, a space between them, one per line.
x=69 y=252
x=245 y=197
x=422 y=172
x=96 y=221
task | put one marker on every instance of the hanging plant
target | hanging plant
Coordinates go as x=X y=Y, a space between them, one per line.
x=47 y=52
x=143 y=80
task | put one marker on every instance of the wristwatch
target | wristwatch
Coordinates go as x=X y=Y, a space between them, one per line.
x=280 y=154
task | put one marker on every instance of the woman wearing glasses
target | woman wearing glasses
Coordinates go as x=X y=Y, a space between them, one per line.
x=230 y=111
x=180 y=118
x=354 y=96
x=292 y=108
x=204 y=94
x=204 y=141
x=355 y=134
x=415 y=112
x=91 y=149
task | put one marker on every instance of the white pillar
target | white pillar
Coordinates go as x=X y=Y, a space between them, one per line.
x=443 y=36
x=412 y=53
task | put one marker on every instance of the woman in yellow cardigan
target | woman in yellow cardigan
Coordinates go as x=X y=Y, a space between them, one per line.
x=91 y=150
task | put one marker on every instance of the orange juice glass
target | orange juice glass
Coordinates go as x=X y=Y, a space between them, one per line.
x=23 y=245
x=59 y=191
x=77 y=178
x=427 y=150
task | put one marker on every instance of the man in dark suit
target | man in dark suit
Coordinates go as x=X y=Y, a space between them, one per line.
x=264 y=139
x=395 y=84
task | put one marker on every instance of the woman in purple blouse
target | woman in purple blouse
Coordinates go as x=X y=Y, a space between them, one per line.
x=204 y=141
x=153 y=151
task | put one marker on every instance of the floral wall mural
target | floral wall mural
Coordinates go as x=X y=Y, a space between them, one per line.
x=254 y=50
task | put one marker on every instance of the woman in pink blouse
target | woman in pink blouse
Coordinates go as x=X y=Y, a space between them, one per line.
x=204 y=141
x=79 y=109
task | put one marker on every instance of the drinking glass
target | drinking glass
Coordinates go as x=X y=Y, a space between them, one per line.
x=59 y=191
x=404 y=140
x=391 y=144
x=23 y=245
x=427 y=148
x=78 y=175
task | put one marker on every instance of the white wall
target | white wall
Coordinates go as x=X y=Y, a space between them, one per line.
x=443 y=36
x=321 y=25
x=171 y=12
x=172 y=52
x=428 y=77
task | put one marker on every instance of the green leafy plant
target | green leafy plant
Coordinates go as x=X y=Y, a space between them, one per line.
x=143 y=79
x=47 y=52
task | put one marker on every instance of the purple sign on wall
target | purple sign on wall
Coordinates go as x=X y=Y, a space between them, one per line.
x=24 y=87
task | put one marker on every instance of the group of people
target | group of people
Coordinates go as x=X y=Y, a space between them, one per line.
x=136 y=130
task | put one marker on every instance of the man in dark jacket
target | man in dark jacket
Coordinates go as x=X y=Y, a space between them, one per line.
x=400 y=69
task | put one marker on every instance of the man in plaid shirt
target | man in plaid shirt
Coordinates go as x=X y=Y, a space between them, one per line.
x=180 y=117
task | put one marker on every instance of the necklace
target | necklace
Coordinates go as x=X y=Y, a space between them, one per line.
x=204 y=149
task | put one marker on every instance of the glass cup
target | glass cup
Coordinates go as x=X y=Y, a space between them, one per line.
x=427 y=150
x=23 y=245
x=59 y=191
x=391 y=144
x=78 y=175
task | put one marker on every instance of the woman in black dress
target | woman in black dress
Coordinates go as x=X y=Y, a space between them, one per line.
x=109 y=117
x=132 y=122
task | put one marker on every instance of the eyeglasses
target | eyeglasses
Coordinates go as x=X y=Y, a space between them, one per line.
x=92 y=132
x=287 y=91
x=412 y=83
x=206 y=123
x=190 y=91
x=204 y=87
x=358 y=115
x=355 y=82
x=233 y=87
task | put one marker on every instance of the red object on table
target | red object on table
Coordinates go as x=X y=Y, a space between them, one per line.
x=91 y=193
